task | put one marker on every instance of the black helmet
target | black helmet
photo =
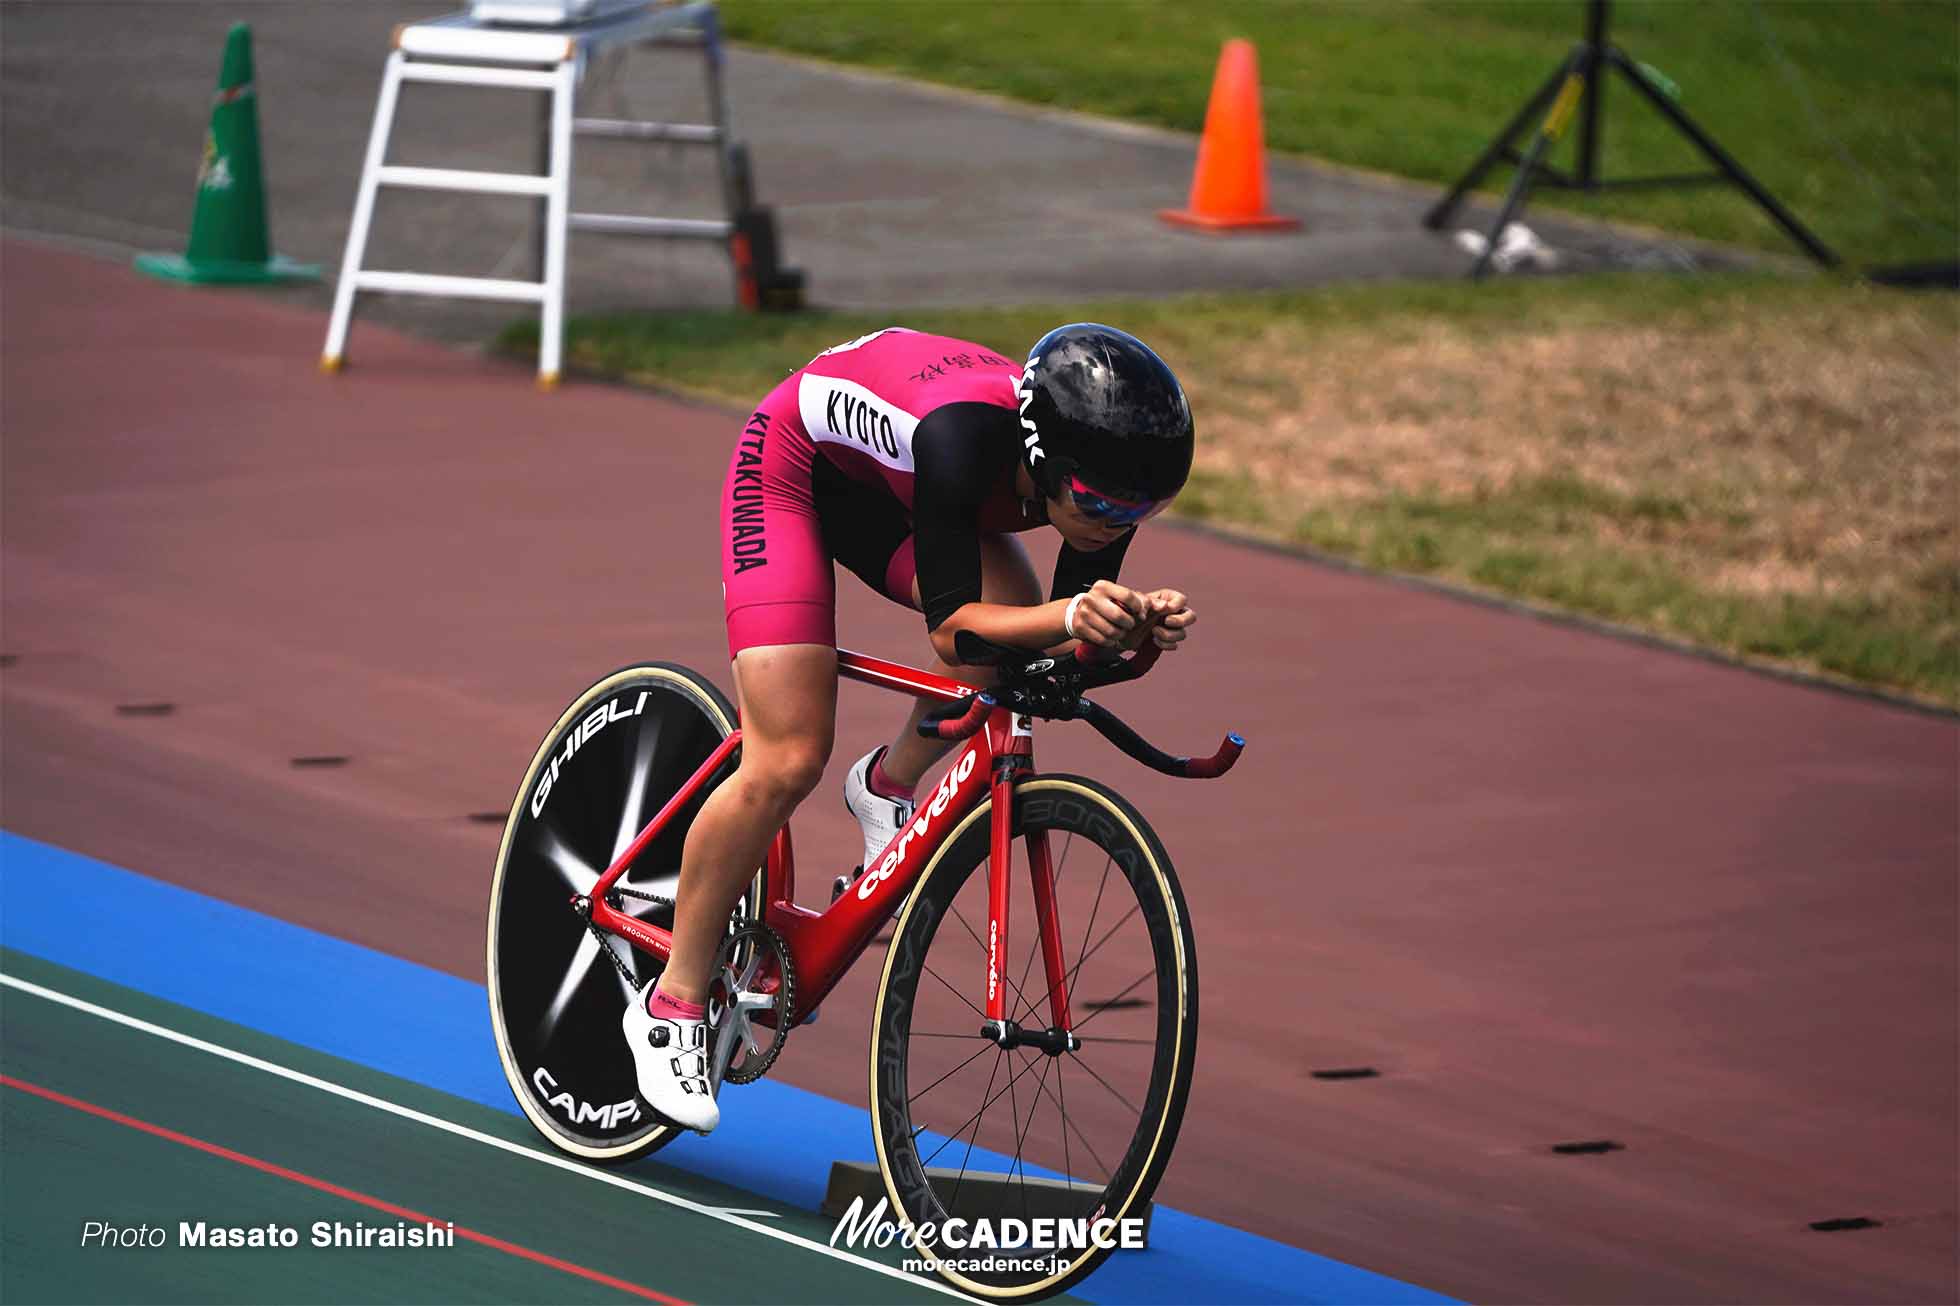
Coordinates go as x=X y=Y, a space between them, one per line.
x=1096 y=403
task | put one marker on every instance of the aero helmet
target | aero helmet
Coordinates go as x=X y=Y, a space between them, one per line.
x=1099 y=407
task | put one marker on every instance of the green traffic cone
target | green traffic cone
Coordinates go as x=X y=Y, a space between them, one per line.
x=229 y=237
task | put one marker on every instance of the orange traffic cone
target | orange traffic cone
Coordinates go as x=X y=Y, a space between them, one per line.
x=1228 y=190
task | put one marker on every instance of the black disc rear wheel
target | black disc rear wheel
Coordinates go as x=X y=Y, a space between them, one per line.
x=610 y=763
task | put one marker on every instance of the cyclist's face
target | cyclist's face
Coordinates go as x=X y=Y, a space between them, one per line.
x=1084 y=532
x=1095 y=519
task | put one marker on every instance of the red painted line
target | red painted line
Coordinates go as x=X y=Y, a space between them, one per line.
x=399 y=1212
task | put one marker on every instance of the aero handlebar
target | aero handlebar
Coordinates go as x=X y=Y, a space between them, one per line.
x=1186 y=768
x=962 y=719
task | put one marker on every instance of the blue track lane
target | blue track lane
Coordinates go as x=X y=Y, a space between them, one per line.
x=420 y=1024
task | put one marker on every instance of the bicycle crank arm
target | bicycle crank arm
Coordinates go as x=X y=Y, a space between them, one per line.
x=725 y=1040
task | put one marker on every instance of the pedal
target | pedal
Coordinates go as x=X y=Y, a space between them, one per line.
x=843 y=882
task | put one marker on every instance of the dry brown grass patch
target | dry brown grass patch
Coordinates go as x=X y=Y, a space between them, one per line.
x=1805 y=449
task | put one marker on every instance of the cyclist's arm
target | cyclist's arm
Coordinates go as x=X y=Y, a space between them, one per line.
x=1039 y=627
x=1107 y=617
x=960 y=451
x=1078 y=569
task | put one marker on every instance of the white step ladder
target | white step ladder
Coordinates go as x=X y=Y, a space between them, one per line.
x=459 y=50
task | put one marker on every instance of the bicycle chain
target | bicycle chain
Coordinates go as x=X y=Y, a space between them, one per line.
x=767 y=938
x=625 y=971
x=605 y=946
x=625 y=892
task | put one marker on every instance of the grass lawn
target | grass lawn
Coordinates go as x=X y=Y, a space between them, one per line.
x=1847 y=111
x=1764 y=467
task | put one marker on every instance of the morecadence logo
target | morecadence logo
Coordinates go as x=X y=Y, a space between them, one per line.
x=982 y=1244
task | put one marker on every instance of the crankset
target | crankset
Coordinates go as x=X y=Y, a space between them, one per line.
x=752 y=980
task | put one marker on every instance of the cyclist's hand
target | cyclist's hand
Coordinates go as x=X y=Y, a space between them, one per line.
x=1111 y=616
x=1172 y=617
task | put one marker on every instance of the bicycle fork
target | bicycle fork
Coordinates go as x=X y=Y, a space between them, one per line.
x=999 y=1026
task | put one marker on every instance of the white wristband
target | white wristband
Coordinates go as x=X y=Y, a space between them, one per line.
x=1068 y=614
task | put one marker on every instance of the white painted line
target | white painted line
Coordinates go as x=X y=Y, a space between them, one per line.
x=464 y=1131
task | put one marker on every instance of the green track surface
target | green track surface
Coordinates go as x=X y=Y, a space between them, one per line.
x=64 y=1167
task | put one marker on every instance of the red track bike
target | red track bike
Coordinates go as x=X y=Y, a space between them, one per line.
x=1037 y=1070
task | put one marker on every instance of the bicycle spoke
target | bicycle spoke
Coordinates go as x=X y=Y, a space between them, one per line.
x=1055 y=868
x=1068 y=1164
x=961 y=916
x=1087 y=929
x=1106 y=1084
x=1069 y=1126
x=1055 y=865
x=977 y=1114
x=976 y=1128
x=971 y=933
x=1101 y=885
x=913 y=1098
x=955 y=992
x=1014 y=1115
x=1081 y=961
x=1021 y=1136
x=1126 y=989
x=1020 y=992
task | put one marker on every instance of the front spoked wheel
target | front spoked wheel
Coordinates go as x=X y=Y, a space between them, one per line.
x=557 y=990
x=965 y=1128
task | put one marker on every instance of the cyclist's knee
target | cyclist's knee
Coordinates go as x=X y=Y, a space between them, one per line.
x=785 y=773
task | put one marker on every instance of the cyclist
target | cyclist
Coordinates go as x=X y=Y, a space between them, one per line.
x=912 y=459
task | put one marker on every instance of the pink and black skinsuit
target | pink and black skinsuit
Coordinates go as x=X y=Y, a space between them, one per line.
x=891 y=454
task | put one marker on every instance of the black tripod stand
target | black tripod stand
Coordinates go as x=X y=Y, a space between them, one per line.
x=1580 y=81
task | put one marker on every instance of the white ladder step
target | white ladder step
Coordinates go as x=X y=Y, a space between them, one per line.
x=628 y=224
x=483 y=183
x=524 y=79
x=680 y=133
x=459 y=49
x=422 y=283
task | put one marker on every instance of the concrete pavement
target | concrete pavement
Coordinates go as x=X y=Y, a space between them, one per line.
x=889 y=193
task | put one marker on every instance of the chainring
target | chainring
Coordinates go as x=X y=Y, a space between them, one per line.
x=750 y=959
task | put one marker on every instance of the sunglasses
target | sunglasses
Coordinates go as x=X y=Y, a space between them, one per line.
x=1109 y=509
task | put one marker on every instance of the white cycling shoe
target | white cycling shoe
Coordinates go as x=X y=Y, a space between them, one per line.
x=878 y=817
x=670 y=1060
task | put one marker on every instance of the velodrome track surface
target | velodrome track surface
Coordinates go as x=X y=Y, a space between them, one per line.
x=1553 y=885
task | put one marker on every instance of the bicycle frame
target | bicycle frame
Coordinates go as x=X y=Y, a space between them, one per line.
x=824 y=945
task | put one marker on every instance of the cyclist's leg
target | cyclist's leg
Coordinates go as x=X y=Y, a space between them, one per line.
x=787 y=694
x=779 y=597
x=1006 y=576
